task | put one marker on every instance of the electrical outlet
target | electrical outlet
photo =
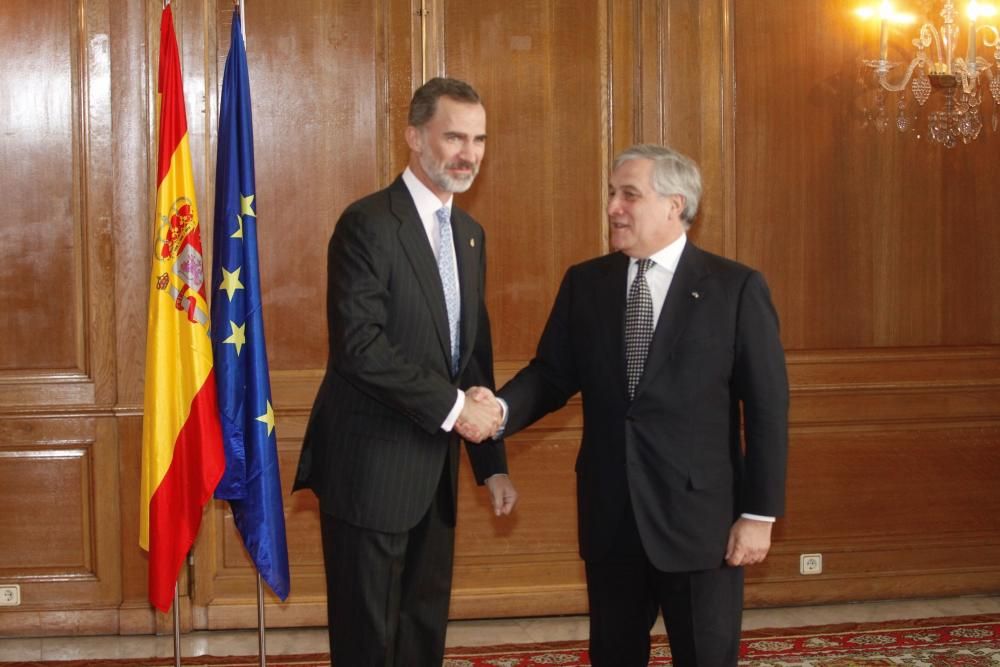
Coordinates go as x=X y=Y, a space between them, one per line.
x=10 y=595
x=811 y=564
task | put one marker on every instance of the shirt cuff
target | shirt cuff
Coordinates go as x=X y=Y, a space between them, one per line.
x=503 y=418
x=449 y=421
x=757 y=517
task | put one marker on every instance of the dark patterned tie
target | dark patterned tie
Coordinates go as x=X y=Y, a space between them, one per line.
x=449 y=281
x=638 y=325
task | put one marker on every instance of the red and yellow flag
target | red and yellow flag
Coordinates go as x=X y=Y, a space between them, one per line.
x=182 y=455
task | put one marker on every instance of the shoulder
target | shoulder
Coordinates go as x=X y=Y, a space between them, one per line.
x=743 y=283
x=463 y=219
x=376 y=203
x=598 y=267
x=376 y=213
x=710 y=259
x=716 y=265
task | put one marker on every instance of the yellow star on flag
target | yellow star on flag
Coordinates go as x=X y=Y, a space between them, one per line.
x=246 y=204
x=231 y=281
x=238 y=337
x=238 y=234
x=268 y=418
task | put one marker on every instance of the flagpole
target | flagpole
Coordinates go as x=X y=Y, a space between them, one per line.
x=261 y=623
x=177 y=626
x=261 y=627
x=243 y=21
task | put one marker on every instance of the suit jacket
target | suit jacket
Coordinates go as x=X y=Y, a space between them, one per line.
x=374 y=449
x=675 y=449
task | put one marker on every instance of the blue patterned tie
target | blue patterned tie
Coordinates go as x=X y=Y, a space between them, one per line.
x=638 y=325
x=449 y=280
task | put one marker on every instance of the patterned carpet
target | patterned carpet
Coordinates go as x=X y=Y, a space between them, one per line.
x=968 y=641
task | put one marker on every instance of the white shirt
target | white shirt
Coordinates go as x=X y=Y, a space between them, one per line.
x=660 y=274
x=427 y=204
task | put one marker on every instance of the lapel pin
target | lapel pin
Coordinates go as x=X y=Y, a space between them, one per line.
x=472 y=243
x=696 y=295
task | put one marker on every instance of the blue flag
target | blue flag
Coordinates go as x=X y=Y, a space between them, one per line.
x=251 y=482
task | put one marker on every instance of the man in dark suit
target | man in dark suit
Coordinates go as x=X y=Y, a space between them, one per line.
x=408 y=328
x=668 y=356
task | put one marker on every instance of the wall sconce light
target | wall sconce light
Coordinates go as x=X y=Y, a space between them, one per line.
x=958 y=79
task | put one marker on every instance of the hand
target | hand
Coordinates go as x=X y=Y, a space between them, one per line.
x=481 y=415
x=749 y=542
x=479 y=394
x=502 y=494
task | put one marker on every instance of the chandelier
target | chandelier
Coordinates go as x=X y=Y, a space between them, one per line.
x=956 y=77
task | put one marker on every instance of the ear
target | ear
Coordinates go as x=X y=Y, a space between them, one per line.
x=413 y=139
x=678 y=202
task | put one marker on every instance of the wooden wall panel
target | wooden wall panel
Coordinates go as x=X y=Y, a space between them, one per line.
x=58 y=441
x=133 y=151
x=874 y=235
x=870 y=243
x=969 y=242
x=540 y=67
x=882 y=506
x=905 y=472
x=47 y=508
x=526 y=564
x=58 y=488
x=39 y=148
x=56 y=249
x=318 y=123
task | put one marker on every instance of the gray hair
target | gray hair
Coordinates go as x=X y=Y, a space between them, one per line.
x=673 y=174
x=424 y=102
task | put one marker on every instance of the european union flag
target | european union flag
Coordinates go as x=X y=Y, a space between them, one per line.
x=251 y=482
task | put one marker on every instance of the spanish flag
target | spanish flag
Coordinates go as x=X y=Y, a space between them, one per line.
x=182 y=455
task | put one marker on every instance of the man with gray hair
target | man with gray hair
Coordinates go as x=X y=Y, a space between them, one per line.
x=669 y=346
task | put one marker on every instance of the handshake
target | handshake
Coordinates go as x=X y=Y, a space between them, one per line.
x=481 y=417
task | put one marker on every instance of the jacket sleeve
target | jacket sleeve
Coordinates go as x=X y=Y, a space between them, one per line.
x=358 y=299
x=550 y=379
x=760 y=382
x=490 y=457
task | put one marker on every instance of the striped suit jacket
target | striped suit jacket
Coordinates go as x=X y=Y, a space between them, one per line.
x=374 y=450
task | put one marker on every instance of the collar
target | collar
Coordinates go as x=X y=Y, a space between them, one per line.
x=427 y=202
x=667 y=257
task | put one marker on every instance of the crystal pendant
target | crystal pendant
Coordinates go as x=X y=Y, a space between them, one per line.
x=995 y=89
x=881 y=120
x=902 y=120
x=940 y=128
x=921 y=87
x=963 y=104
x=969 y=126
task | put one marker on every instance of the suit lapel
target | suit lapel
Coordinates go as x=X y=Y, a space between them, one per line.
x=676 y=312
x=610 y=296
x=413 y=238
x=467 y=256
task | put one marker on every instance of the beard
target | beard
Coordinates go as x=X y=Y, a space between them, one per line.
x=437 y=171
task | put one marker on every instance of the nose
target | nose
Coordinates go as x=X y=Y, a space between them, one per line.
x=470 y=152
x=614 y=205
